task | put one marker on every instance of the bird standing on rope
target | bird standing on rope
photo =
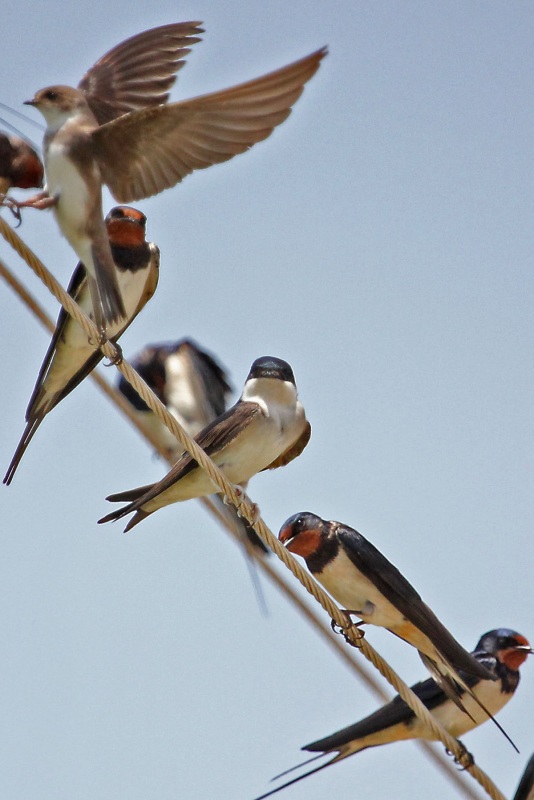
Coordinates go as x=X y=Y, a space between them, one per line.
x=139 y=151
x=366 y=584
x=265 y=429
x=71 y=357
x=194 y=387
x=501 y=652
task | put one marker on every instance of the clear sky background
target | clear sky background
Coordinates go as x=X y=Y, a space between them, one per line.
x=381 y=241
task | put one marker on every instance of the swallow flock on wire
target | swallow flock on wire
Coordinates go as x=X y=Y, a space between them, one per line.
x=117 y=128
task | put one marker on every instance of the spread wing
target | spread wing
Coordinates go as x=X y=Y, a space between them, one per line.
x=214 y=437
x=144 y=153
x=404 y=597
x=294 y=451
x=138 y=72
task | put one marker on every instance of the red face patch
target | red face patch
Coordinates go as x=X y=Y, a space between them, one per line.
x=304 y=544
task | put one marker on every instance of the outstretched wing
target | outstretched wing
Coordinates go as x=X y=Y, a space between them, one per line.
x=144 y=153
x=138 y=72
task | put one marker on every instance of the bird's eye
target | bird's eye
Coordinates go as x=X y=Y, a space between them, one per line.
x=51 y=95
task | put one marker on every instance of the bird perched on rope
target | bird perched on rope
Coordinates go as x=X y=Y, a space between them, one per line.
x=366 y=584
x=195 y=388
x=500 y=651
x=265 y=429
x=70 y=356
x=20 y=165
x=139 y=151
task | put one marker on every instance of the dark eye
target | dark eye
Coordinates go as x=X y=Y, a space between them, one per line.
x=51 y=95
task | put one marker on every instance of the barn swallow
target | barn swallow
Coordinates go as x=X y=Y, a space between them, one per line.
x=145 y=151
x=525 y=790
x=20 y=165
x=135 y=75
x=194 y=387
x=500 y=651
x=366 y=584
x=265 y=429
x=71 y=357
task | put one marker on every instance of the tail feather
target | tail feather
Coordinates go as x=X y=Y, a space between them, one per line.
x=300 y=777
x=27 y=436
x=454 y=686
x=108 y=285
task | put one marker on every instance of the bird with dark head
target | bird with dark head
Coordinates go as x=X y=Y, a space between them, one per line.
x=369 y=586
x=70 y=356
x=194 y=387
x=501 y=652
x=267 y=428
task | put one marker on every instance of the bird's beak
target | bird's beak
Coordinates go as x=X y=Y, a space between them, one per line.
x=29 y=102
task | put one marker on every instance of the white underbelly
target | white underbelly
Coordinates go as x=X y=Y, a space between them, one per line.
x=66 y=183
x=354 y=592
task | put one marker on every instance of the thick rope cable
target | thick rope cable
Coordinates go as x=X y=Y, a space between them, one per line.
x=249 y=512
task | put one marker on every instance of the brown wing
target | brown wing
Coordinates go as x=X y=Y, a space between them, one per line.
x=214 y=437
x=144 y=153
x=294 y=451
x=138 y=72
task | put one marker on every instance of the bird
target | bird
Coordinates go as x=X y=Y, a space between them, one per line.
x=134 y=75
x=20 y=164
x=501 y=651
x=138 y=153
x=366 y=584
x=525 y=789
x=267 y=428
x=71 y=357
x=194 y=387
x=187 y=379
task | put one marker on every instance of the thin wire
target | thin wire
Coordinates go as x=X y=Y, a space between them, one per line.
x=247 y=510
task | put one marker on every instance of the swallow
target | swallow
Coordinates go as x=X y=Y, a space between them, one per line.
x=267 y=428
x=501 y=652
x=195 y=388
x=135 y=75
x=20 y=164
x=366 y=584
x=147 y=150
x=525 y=790
x=188 y=380
x=71 y=357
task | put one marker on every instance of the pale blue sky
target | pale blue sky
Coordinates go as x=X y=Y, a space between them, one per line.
x=381 y=241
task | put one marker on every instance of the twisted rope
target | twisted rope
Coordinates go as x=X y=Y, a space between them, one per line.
x=248 y=511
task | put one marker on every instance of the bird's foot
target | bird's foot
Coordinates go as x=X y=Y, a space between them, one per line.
x=242 y=497
x=41 y=200
x=13 y=206
x=117 y=359
x=354 y=627
x=465 y=760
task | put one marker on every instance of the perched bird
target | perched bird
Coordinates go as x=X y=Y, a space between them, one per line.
x=146 y=151
x=194 y=387
x=366 y=584
x=20 y=165
x=500 y=651
x=189 y=381
x=71 y=357
x=265 y=429
x=525 y=790
x=135 y=75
